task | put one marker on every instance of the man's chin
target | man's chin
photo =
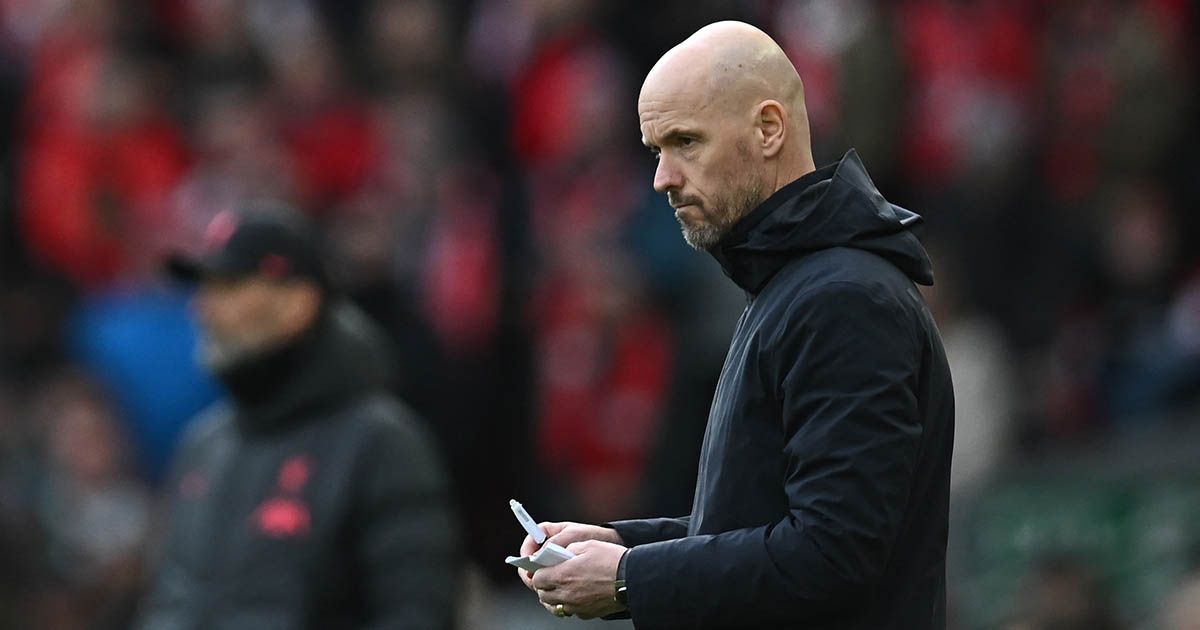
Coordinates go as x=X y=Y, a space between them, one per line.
x=701 y=238
x=698 y=230
x=216 y=359
x=220 y=358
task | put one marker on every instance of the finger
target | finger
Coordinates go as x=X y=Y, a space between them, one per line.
x=528 y=546
x=580 y=547
x=568 y=537
x=526 y=577
x=565 y=533
x=553 y=610
x=550 y=598
x=544 y=581
x=551 y=528
x=558 y=537
x=550 y=609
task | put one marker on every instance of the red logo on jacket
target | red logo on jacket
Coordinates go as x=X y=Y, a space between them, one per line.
x=282 y=518
x=294 y=473
x=286 y=515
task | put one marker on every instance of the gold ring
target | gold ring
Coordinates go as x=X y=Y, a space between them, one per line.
x=560 y=610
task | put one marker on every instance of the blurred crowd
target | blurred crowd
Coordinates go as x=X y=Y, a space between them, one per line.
x=477 y=170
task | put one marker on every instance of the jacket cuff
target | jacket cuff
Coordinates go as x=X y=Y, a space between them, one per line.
x=624 y=614
x=643 y=531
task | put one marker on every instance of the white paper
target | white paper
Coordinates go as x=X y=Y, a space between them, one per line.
x=548 y=556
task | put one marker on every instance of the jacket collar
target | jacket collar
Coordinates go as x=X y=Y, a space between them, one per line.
x=296 y=383
x=752 y=272
x=836 y=205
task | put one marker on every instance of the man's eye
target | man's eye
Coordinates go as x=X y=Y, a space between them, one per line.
x=685 y=142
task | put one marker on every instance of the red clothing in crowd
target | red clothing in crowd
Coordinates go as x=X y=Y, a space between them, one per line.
x=94 y=177
x=602 y=389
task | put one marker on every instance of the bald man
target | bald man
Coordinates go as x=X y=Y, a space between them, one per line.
x=822 y=494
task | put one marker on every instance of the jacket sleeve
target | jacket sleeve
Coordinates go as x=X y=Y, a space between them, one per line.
x=641 y=531
x=845 y=369
x=169 y=592
x=406 y=541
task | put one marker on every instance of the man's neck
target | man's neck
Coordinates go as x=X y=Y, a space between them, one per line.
x=790 y=171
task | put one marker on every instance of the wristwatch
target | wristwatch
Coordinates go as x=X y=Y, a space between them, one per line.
x=620 y=591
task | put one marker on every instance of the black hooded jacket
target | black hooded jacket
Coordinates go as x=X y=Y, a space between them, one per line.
x=822 y=494
x=314 y=501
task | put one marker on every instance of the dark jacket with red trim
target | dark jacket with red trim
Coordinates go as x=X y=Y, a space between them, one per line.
x=313 y=500
x=822 y=495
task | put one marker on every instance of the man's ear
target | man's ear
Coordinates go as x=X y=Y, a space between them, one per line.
x=772 y=126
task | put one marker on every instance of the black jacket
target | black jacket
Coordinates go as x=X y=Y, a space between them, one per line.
x=822 y=494
x=315 y=501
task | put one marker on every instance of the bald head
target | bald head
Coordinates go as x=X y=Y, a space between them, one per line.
x=730 y=64
x=724 y=111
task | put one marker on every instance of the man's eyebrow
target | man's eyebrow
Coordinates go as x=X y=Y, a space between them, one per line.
x=671 y=136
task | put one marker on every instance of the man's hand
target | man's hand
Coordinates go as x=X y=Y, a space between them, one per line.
x=565 y=534
x=583 y=584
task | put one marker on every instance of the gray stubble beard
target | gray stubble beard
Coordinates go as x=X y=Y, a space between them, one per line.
x=729 y=210
x=220 y=356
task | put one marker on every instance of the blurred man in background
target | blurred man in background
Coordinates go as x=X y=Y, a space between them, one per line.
x=823 y=491
x=313 y=499
x=1065 y=593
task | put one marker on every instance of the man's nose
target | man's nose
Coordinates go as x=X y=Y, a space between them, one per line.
x=666 y=177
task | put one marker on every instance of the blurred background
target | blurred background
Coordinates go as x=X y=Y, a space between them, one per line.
x=477 y=168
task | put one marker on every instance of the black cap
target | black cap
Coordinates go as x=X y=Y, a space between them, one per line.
x=268 y=239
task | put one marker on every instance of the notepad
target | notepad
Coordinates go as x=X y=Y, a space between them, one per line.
x=549 y=555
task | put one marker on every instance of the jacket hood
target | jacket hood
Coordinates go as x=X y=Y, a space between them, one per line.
x=341 y=357
x=836 y=205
